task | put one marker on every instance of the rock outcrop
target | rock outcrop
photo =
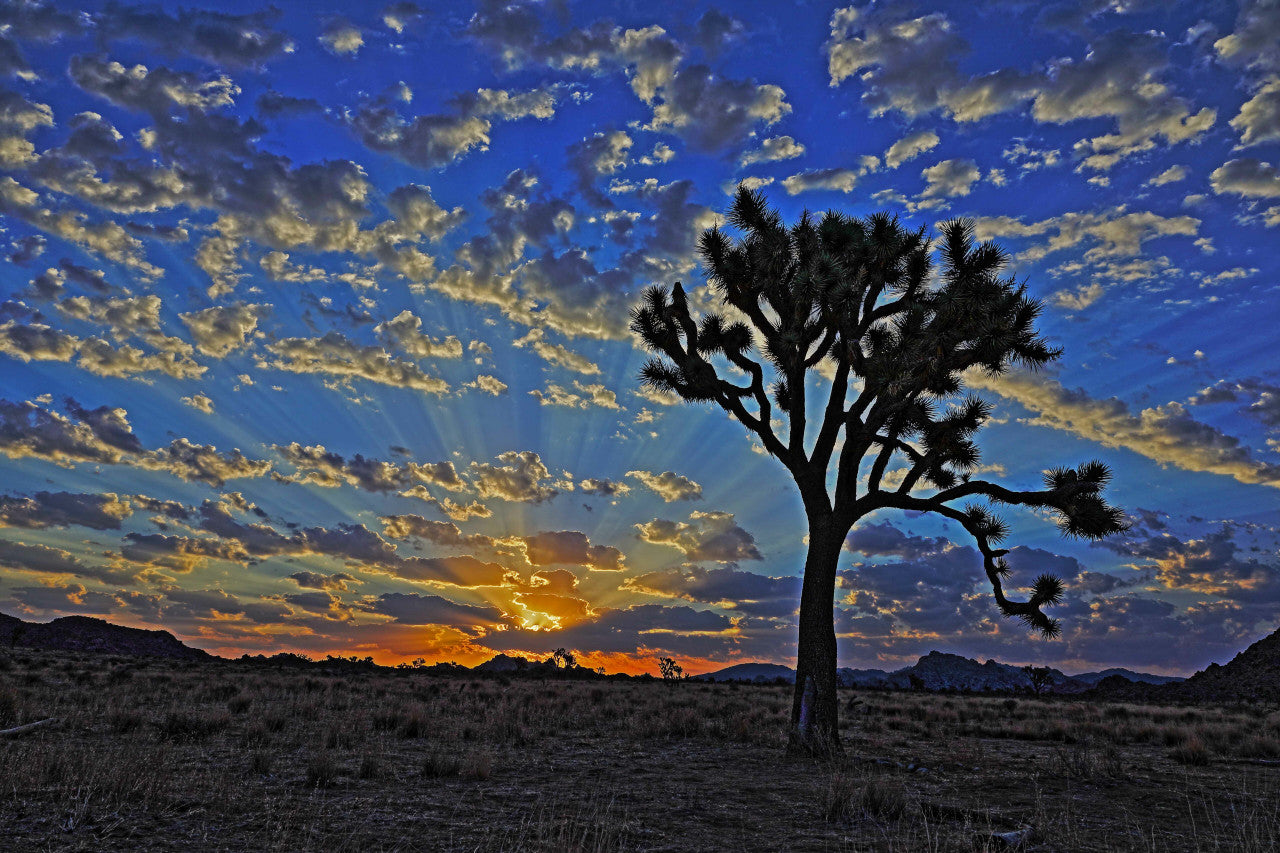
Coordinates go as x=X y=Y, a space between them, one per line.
x=87 y=634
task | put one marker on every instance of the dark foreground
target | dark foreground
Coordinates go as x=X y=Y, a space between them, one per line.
x=153 y=755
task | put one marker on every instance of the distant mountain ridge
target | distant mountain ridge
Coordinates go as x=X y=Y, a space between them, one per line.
x=1253 y=674
x=87 y=634
x=942 y=671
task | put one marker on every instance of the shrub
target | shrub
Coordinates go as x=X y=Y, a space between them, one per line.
x=847 y=798
x=322 y=770
x=439 y=763
x=1191 y=751
x=370 y=767
x=179 y=725
x=260 y=762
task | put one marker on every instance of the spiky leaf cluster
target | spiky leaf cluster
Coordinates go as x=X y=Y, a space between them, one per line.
x=861 y=299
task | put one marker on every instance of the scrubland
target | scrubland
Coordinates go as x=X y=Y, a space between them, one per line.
x=157 y=755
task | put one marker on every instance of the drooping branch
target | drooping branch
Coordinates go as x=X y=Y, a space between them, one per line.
x=1075 y=494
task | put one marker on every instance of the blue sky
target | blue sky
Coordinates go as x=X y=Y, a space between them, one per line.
x=314 y=332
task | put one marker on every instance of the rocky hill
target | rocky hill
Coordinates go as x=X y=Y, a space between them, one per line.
x=1252 y=674
x=86 y=634
x=754 y=672
x=1127 y=675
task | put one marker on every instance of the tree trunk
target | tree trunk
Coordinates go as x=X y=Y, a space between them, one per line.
x=814 y=708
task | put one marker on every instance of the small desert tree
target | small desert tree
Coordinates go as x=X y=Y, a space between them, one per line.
x=1039 y=676
x=842 y=350
x=670 y=670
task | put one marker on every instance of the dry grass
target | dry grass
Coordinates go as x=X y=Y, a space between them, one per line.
x=162 y=756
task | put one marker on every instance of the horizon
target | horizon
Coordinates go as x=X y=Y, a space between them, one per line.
x=314 y=330
x=550 y=659
x=650 y=670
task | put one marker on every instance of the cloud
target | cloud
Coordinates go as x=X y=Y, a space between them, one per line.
x=1259 y=118
x=708 y=111
x=603 y=487
x=433 y=141
x=574 y=548
x=523 y=478
x=178 y=553
x=1167 y=434
x=398 y=16
x=199 y=402
x=909 y=65
x=64 y=509
x=101 y=238
x=487 y=384
x=1263 y=398
x=556 y=354
x=37 y=558
x=834 y=179
x=410 y=608
x=1114 y=233
x=405 y=332
x=771 y=150
x=1028 y=159
x=461 y=571
x=1077 y=300
x=317 y=466
x=948 y=179
x=342 y=38
x=1248 y=177
x=98 y=435
x=1211 y=565
x=590 y=395
x=104 y=435
x=155 y=90
x=37 y=342
x=335 y=355
x=203 y=462
x=221 y=330
x=1253 y=42
x=910 y=147
x=648 y=626
x=1171 y=175
x=339 y=581
x=217 y=37
x=727 y=587
x=715 y=30
x=706 y=536
x=446 y=534
x=882 y=539
x=933 y=592
x=668 y=485
x=604 y=153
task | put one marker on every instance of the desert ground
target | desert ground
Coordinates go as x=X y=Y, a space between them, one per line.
x=161 y=755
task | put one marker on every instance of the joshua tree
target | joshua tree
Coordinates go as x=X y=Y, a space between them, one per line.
x=1039 y=676
x=671 y=671
x=842 y=350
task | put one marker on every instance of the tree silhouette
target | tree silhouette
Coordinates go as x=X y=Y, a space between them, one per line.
x=670 y=670
x=1039 y=676
x=841 y=330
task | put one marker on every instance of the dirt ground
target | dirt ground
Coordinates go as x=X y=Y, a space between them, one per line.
x=149 y=755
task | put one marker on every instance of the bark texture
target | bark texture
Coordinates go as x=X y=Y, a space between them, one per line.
x=814 y=708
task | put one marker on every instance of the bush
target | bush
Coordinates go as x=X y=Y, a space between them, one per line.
x=439 y=763
x=1191 y=751
x=322 y=770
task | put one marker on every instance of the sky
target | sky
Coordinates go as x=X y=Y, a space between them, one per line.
x=314 y=320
